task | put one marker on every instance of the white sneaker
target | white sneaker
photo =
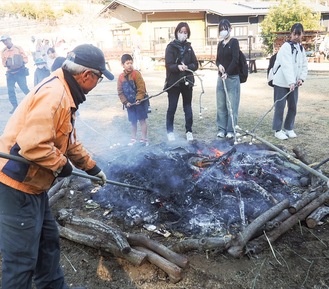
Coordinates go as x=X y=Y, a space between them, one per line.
x=291 y=133
x=171 y=136
x=221 y=134
x=280 y=135
x=230 y=135
x=132 y=142
x=189 y=136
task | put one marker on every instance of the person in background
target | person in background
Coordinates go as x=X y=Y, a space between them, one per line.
x=51 y=56
x=228 y=99
x=57 y=63
x=14 y=59
x=180 y=63
x=290 y=72
x=44 y=48
x=132 y=91
x=41 y=71
x=42 y=132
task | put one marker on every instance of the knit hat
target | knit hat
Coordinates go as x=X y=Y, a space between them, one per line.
x=39 y=61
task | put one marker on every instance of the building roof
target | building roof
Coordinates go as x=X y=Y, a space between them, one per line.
x=210 y=6
x=223 y=8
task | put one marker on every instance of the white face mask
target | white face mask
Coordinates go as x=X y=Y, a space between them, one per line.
x=181 y=36
x=41 y=66
x=223 y=34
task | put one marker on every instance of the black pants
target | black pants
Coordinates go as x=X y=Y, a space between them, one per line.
x=29 y=241
x=173 y=96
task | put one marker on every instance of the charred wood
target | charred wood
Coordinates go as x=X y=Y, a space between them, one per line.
x=277 y=221
x=301 y=154
x=303 y=202
x=257 y=245
x=237 y=246
x=144 y=241
x=174 y=272
x=64 y=183
x=251 y=185
x=116 y=235
x=316 y=216
x=219 y=244
x=291 y=158
x=95 y=241
x=58 y=195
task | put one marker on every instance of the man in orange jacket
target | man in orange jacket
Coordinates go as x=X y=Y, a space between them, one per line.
x=41 y=130
x=14 y=59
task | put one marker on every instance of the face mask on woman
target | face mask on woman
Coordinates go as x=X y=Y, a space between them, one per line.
x=182 y=36
x=223 y=34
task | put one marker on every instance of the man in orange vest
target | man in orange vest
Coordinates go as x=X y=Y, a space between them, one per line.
x=14 y=58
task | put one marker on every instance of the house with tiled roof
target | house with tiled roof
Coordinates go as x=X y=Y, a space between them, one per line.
x=151 y=24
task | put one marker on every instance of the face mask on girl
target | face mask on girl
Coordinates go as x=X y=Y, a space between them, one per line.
x=223 y=34
x=41 y=66
x=181 y=36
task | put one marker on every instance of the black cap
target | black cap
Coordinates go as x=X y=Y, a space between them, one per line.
x=90 y=56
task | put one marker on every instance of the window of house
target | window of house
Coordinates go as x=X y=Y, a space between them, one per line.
x=164 y=34
x=121 y=38
x=239 y=31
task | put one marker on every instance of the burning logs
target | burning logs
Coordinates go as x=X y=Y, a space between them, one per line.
x=291 y=158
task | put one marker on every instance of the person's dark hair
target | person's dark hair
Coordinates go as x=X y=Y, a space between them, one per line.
x=224 y=24
x=180 y=26
x=50 y=50
x=57 y=63
x=297 y=29
x=126 y=57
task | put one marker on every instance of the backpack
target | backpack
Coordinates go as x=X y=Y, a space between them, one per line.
x=270 y=72
x=243 y=67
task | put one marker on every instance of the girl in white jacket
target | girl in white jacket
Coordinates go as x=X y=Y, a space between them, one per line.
x=290 y=70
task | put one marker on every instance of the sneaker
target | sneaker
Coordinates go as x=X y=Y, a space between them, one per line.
x=171 y=136
x=230 y=135
x=280 y=135
x=221 y=134
x=189 y=136
x=144 y=142
x=149 y=110
x=132 y=142
x=291 y=133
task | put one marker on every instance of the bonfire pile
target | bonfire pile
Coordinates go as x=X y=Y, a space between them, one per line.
x=137 y=248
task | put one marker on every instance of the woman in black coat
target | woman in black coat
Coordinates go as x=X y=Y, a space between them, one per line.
x=180 y=61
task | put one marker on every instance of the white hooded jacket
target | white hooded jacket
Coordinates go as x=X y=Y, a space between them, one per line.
x=290 y=66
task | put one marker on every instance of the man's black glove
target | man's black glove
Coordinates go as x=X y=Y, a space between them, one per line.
x=64 y=171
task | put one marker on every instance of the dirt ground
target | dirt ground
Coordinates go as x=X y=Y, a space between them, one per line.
x=300 y=258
